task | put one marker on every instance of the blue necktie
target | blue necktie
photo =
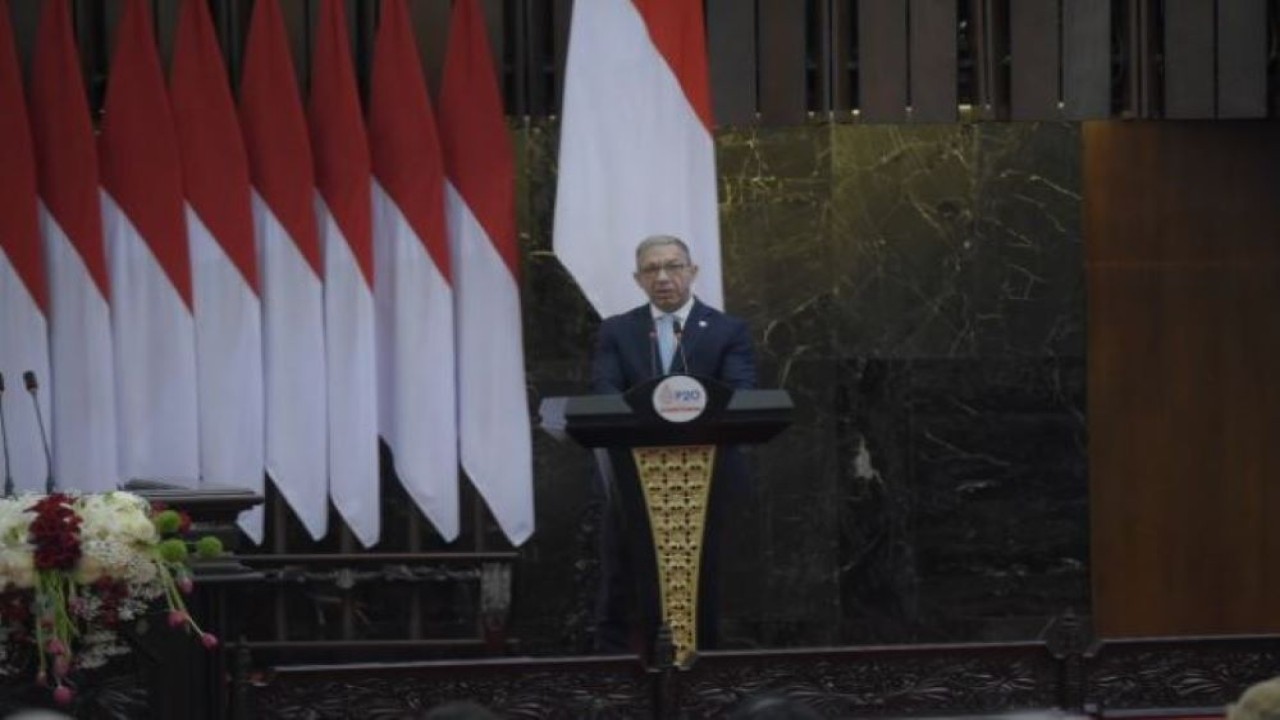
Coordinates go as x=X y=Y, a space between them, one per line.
x=666 y=341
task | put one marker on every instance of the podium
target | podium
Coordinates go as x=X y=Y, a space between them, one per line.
x=668 y=440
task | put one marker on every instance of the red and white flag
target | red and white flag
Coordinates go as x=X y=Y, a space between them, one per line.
x=228 y=312
x=24 y=297
x=150 y=267
x=280 y=167
x=344 y=219
x=83 y=385
x=637 y=156
x=417 y=398
x=493 y=412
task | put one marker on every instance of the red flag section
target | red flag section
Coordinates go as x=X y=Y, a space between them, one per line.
x=493 y=414
x=83 y=412
x=413 y=280
x=478 y=156
x=346 y=228
x=679 y=32
x=139 y=148
x=19 y=224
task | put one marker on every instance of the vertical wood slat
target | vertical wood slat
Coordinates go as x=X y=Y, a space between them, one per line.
x=561 y=19
x=882 y=60
x=430 y=20
x=24 y=18
x=1034 y=59
x=538 y=48
x=781 y=62
x=1086 y=59
x=990 y=45
x=1188 y=59
x=1242 y=59
x=842 y=31
x=495 y=20
x=731 y=55
x=165 y=22
x=933 y=62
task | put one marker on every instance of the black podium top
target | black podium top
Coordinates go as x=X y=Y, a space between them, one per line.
x=631 y=420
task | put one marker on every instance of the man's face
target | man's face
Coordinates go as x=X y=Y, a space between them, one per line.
x=666 y=276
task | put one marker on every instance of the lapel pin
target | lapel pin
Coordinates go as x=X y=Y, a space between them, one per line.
x=702 y=323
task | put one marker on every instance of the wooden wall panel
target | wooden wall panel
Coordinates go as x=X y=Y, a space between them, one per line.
x=882 y=60
x=1188 y=59
x=1242 y=59
x=24 y=18
x=933 y=61
x=731 y=54
x=781 y=63
x=1034 y=60
x=1086 y=59
x=1183 y=273
x=430 y=19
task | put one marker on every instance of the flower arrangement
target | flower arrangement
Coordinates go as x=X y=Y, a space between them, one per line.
x=75 y=568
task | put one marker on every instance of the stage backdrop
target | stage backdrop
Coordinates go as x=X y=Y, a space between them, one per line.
x=919 y=291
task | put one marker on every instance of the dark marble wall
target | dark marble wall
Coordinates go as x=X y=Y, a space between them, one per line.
x=919 y=290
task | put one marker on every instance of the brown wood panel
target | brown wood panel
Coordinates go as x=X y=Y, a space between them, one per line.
x=990 y=42
x=1086 y=59
x=731 y=55
x=933 y=60
x=1034 y=60
x=430 y=19
x=882 y=60
x=562 y=19
x=842 y=35
x=781 y=62
x=1183 y=277
x=24 y=18
x=1188 y=59
x=1242 y=59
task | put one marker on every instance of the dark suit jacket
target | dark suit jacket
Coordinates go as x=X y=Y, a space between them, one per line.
x=715 y=345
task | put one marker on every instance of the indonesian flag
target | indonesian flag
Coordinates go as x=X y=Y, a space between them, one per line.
x=275 y=135
x=228 y=313
x=493 y=414
x=83 y=390
x=344 y=216
x=24 y=297
x=636 y=151
x=146 y=240
x=417 y=397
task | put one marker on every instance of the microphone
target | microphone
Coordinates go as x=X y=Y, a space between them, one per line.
x=679 y=333
x=29 y=379
x=653 y=353
x=4 y=442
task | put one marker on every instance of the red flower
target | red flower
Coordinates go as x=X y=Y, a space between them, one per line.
x=55 y=533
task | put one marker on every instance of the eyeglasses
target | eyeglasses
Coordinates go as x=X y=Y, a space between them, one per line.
x=671 y=268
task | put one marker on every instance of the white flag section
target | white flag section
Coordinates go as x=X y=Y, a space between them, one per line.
x=350 y=363
x=345 y=224
x=275 y=136
x=480 y=212
x=155 y=355
x=150 y=267
x=224 y=269
x=84 y=408
x=636 y=159
x=492 y=409
x=24 y=330
x=417 y=394
x=293 y=347
x=229 y=372
x=80 y=356
x=24 y=345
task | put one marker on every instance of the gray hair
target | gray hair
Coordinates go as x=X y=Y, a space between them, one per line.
x=654 y=241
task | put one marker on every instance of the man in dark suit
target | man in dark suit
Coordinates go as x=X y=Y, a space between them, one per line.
x=673 y=333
